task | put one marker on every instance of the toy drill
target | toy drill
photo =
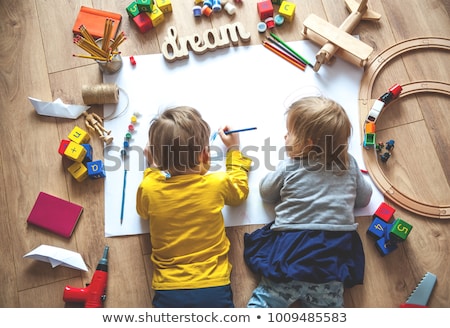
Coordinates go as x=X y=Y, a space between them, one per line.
x=95 y=293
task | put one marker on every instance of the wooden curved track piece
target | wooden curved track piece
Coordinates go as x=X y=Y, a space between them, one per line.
x=370 y=157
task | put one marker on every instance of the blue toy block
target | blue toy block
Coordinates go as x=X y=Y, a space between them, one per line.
x=96 y=169
x=89 y=151
x=385 y=247
x=377 y=228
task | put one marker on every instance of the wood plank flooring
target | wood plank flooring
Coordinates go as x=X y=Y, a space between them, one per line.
x=36 y=60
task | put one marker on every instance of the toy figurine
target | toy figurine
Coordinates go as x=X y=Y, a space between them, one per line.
x=94 y=123
x=385 y=157
x=390 y=144
x=379 y=146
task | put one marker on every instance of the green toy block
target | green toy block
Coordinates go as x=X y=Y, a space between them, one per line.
x=400 y=230
x=276 y=2
x=133 y=9
x=144 y=5
x=369 y=140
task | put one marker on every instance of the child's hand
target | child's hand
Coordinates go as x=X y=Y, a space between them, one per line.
x=231 y=141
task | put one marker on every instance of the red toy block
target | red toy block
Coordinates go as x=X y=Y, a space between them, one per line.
x=143 y=22
x=62 y=146
x=265 y=9
x=384 y=212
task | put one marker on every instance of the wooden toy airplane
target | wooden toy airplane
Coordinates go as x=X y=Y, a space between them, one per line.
x=338 y=40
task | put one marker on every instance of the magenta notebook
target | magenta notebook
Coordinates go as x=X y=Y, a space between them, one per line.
x=55 y=214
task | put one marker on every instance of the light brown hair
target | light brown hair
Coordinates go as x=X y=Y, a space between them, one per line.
x=320 y=130
x=177 y=137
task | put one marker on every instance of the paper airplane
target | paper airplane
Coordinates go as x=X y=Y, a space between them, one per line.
x=57 y=256
x=57 y=108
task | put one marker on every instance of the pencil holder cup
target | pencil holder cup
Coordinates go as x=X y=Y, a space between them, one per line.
x=112 y=66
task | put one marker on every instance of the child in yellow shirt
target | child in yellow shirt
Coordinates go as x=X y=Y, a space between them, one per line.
x=183 y=204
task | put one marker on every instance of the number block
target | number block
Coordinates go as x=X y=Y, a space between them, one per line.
x=132 y=9
x=400 y=230
x=377 y=228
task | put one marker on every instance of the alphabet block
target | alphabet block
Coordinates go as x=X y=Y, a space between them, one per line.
x=78 y=171
x=287 y=10
x=156 y=16
x=400 y=230
x=265 y=9
x=79 y=135
x=75 y=152
x=96 y=169
x=164 y=5
x=384 y=212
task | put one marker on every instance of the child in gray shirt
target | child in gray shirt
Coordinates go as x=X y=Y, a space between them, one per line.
x=311 y=251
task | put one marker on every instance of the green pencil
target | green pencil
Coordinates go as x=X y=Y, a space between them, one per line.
x=284 y=44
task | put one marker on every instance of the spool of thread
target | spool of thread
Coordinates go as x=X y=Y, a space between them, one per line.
x=99 y=94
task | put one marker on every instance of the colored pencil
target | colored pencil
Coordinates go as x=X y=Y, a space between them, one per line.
x=287 y=53
x=287 y=46
x=123 y=194
x=284 y=49
x=283 y=55
x=240 y=130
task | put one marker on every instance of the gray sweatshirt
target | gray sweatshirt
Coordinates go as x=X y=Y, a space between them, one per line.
x=307 y=196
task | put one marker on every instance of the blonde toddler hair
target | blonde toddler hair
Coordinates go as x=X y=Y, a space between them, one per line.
x=320 y=129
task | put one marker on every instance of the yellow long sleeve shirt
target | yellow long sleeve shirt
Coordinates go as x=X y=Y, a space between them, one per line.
x=187 y=230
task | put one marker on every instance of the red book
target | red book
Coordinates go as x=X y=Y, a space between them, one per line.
x=94 y=21
x=55 y=214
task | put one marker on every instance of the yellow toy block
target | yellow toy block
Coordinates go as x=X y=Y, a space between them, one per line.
x=164 y=5
x=78 y=171
x=287 y=10
x=156 y=16
x=79 y=136
x=75 y=152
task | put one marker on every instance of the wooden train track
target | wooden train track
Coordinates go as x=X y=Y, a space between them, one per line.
x=371 y=72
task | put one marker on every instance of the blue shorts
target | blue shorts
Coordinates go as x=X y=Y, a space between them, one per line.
x=211 y=297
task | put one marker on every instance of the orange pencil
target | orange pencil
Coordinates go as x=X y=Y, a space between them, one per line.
x=284 y=56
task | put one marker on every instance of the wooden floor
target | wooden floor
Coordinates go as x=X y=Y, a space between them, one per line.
x=36 y=60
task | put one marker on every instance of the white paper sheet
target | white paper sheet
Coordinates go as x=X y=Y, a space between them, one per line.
x=243 y=87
